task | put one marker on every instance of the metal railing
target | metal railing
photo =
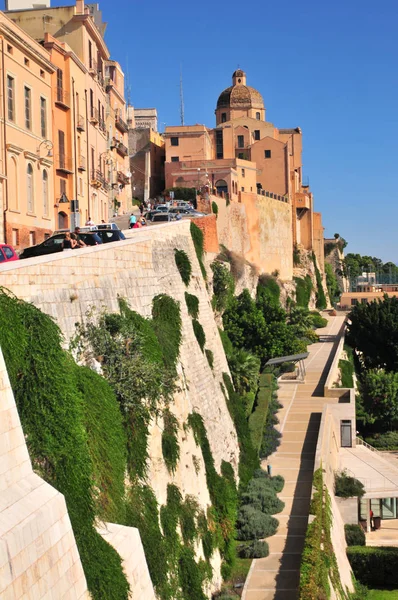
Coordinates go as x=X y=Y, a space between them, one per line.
x=63 y=163
x=62 y=97
x=122 y=149
x=360 y=442
x=98 y=179
x=120 y=124
x=94 y=114
x=102 y=125
x=93 y=67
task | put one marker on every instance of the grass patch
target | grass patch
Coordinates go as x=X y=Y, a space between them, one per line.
x=347 y=374
x=303 y=290
x=258 y=417
x=382 y=595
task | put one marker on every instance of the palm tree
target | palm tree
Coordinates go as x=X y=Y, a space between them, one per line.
x=245 y=370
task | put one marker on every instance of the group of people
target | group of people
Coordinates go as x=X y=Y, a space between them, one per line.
x=72 y=240
x=135 y=223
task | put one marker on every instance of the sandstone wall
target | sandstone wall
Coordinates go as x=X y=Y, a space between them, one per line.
x=68 y=284
x=260 y=229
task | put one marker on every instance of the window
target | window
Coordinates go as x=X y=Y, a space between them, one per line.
x=29 y=188
x=28 y=118
x=61 y=149
x=219 y=144
x=243 y=172
x=267 y=153
x=223 y=117
x=175 y=158
x=43 y=117
x=241 y=155
x=10 y=49
x=258 y=116
x=42 y=73
x=90 y=54
x=45 y=193
x=256 y=134
x=32 y=238
x=15 y=237
x=91 y=103
x=242 y=189
x=27 y=63
x=60 y=79
x=11 y=98
x=174 y=141
x=241 y=141
x=80 y=186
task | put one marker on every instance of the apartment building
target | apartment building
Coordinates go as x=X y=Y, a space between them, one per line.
x=26 y=157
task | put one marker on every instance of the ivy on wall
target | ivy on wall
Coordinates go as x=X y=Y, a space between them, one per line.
x=198 y=242
x=183 y=265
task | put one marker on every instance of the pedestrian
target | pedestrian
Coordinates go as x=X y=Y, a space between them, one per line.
x=136 y=225
x=372 y=521
x=178 y=216
x=90 y=222
x=69 y=243
x=149 y=205
x=142 y=207
x=132 y=220
x=76 y=241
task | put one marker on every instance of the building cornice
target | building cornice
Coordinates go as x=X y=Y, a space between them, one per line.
x=14 y=149
x=30 y=50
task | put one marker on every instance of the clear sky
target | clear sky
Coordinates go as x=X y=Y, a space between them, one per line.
x=327 y=67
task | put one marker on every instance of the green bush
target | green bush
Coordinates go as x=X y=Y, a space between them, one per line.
x=210 y=358
x=374 y=567
x=384 y=441
x=317 y=320
x=303 y=290
x=223 y=286
x=170 y=443
x=320 y=294
x=183 y=265
x=198 y=242
x=255 y=549
x=192 y=303
x=226 y=342
x=347 y=373
x=296 y=256
x=354 y=535
x=258 y=417
x=199 y=333
x=190 y=576
x=264 y=500
x=346 y=486
x=277 y=482
x=167 y=325
x=254 y=524
x=214 y=208
x=268 y=287
x=183 y=193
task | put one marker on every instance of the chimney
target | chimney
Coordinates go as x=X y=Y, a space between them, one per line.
x=80 y=7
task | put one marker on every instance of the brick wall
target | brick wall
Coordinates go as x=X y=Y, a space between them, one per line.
x=23 y=235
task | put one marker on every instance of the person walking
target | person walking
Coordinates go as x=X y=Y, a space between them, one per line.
x=132 y=220
x=89 y=222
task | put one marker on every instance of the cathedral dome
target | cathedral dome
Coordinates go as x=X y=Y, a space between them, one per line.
x=240 y=95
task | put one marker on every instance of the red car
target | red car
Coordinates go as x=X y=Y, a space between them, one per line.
x=7 y=253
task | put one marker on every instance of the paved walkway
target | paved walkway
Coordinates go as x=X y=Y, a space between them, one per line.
x=277 y=576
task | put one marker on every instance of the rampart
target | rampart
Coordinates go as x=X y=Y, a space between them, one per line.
x=70 y=284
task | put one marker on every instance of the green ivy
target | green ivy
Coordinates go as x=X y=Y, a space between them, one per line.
x=167 y=324
x=183 y=265
x=210 y=358
x=199 y=333
x=198 y=242
x=170 y=443
x=53 y=414
x=320 y=294
x=303 y=290
x=192 y=303
x=214 y=208
x=223 y=286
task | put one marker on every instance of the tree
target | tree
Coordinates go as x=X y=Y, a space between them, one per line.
x=245 y=368
x=379 y=398
x=373 y=331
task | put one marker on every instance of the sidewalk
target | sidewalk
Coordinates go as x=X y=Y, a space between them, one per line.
x=277 y=576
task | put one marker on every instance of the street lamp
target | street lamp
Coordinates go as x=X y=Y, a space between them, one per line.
x=49 y=145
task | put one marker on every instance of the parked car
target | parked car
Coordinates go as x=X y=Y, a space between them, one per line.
x=111 y=235
x=112 y=226
x=161 y=208
x=7 y=254
x=157 y=217
x=185 y=212
x=54 y=244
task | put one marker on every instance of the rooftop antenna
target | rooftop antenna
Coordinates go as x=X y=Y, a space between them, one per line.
x=128 y=84
x=181 y=98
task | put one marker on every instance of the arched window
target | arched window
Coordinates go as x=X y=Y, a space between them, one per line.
x=221 y=186
x=45 y=193
x=62 y=221
x=29 y=188
x=258 y=116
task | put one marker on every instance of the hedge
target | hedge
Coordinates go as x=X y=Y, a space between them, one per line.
x=258 y=417
x=374 y=566
x=354 y=535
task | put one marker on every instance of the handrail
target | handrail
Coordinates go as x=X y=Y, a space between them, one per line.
x=360 y=442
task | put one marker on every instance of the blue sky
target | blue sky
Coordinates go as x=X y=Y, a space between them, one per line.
x=327 y=67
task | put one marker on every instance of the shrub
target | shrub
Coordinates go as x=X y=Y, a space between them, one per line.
x=346 y=486
x=210 y=358
x=183 y=193
x=303 y=290
x=374 y=566
x=258 y=417
x=198 y=242
x=199 y=333
x=255 y=549
x=223 y=286
x=277 y=482
x=317 y=320
x=296 y=256
x=384 y=441
x=261 y=495
x=310 y=336
x=268 y=287
x=192 y=303
x=320 y=294
x=183 y=265
x=347 y=373
x=170 y=443
x=253 y=524
x=214 y=208
x=354 y=535
x=167 y=326
x=226 y=342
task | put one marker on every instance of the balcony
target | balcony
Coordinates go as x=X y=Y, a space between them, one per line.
x=122 y=149
x=82 y=163
x=62 y=98
x=109 y=83
x=98 y=179
x=303 y=202
x=94 y=115
x=102 y=126
x=101 y=78
x=81 y=123
x=122 y=178
x=93 y=67
x=63 y=163
x=120 y=124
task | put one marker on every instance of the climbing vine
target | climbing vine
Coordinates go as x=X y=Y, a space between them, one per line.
x=192 y=303
x=198 y=242
x=170 y=443
x=183 y=265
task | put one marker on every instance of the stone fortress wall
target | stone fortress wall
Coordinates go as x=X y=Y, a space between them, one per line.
x=68 y=284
